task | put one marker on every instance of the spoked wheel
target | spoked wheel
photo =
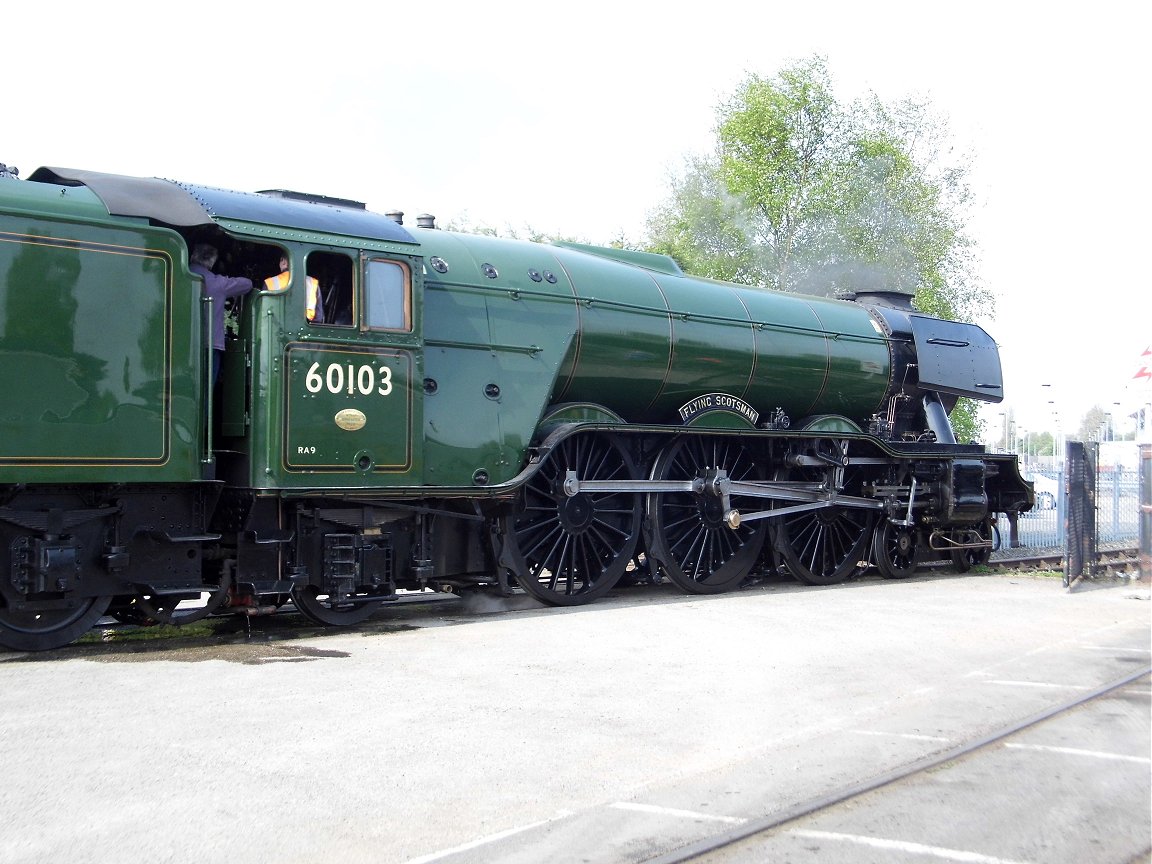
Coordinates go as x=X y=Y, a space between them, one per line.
x=825 y=545
x=686 y=531
x=334 y=611
x=895 y=549
x=964 y=560
x=47 y=628
x=564 y=550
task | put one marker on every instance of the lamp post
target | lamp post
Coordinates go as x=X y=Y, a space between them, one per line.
x=1058 y=439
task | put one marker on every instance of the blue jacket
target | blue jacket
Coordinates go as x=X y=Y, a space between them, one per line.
x=220 y=288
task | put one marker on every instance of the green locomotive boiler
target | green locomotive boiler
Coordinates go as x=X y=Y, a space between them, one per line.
x=427 y=409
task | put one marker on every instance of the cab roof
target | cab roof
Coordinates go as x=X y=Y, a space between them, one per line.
x=185 y=205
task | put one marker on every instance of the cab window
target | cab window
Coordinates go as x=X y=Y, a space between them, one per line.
x=328 y=291
x=387 y=296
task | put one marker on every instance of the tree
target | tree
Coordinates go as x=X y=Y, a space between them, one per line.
x=805 y=194
x=757 y=195
x=1041 y=443
x=1094 y=425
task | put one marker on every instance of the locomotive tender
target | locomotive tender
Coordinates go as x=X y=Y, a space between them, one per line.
x=464 y=411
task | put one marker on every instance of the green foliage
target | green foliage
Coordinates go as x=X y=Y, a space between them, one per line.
x=966 y=422
x=777 y=141
x=805 y=194
x=702 y=230
x=1034 y=444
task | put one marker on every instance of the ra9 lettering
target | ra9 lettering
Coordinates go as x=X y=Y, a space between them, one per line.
x=349 y=379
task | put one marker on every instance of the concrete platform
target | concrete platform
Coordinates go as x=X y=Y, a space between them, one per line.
x=612 y=732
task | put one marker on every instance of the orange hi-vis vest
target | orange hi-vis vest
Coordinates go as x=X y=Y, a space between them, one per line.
x=280 y=283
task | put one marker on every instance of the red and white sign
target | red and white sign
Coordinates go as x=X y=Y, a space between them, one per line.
x=1144 y=365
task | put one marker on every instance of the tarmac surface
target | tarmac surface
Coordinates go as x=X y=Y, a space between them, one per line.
x=617 y=732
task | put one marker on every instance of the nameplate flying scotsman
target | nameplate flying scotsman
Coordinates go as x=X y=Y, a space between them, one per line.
x=718 y=402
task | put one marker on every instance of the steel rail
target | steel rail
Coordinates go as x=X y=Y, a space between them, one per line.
x=768 y=823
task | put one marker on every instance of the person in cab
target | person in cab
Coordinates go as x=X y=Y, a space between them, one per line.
x=202 y=261
x=314 y=309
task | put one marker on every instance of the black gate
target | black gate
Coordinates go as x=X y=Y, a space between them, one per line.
x=1080 y=516
x=1146 y=511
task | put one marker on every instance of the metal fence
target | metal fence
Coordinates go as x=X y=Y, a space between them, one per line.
x=1117 y=511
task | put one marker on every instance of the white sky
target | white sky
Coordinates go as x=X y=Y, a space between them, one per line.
x=569 y=118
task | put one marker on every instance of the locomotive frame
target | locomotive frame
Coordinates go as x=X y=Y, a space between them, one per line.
x=469 y=412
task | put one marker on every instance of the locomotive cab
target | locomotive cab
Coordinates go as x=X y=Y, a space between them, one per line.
x=317 y=380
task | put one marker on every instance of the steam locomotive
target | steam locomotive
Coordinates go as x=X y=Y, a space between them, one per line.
x=446 y=411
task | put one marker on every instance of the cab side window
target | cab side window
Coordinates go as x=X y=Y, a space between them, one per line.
x=328 y=289
x=387 y=295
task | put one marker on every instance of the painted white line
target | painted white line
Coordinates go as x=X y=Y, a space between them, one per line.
x=491 y=838
x=1040 y=684
x=683 y=814
x=907 y=735
x=1071 y=642
x=1072 y=751
x=904 y=846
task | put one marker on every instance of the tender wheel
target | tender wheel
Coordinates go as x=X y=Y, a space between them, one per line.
x=964 y=560
x=687 y=533
x=334 y=611
x=47 y=628
x=563 y=550
x=895 y=549
x=825 y=545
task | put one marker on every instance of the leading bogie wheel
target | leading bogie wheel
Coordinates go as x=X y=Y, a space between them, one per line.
x=964 y=559
x=896 y=549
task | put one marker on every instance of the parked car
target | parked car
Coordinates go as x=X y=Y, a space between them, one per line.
x=1046 y=490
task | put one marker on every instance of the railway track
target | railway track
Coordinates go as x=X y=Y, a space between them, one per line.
x=288 y=623
x=1122 y=562
x=716 y=846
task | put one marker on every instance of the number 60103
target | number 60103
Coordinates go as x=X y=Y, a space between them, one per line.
x=349 y=378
